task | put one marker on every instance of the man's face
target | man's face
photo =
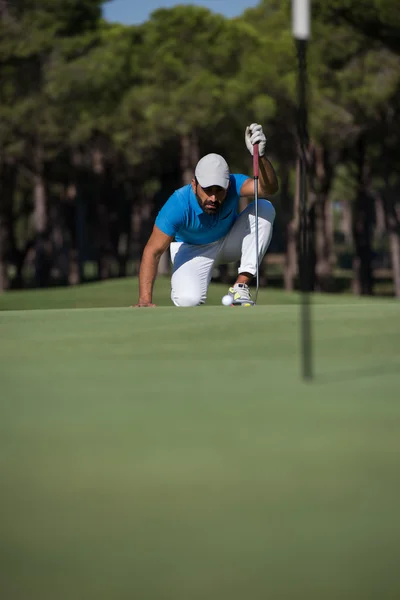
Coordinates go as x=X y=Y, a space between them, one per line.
x=209 y=198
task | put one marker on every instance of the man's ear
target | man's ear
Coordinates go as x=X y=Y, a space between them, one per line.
x=194 y=185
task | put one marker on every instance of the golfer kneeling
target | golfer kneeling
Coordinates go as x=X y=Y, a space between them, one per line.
x=201 y=225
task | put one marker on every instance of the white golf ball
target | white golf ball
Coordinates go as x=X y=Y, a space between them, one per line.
x=227 y=300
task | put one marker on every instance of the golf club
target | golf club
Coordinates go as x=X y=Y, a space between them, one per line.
x=255 y=171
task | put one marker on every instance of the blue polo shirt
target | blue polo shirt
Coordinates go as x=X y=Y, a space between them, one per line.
x=182 y=216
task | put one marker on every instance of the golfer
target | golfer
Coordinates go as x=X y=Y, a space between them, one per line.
x=201 y=225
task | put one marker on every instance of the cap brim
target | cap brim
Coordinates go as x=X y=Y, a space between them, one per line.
x=221 y=182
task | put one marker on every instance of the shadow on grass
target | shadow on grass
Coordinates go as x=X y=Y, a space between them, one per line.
x=379 y=370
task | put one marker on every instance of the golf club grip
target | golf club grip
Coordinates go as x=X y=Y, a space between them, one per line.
x=255 y=160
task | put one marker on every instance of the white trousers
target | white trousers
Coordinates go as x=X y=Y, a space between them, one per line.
x=193 y=264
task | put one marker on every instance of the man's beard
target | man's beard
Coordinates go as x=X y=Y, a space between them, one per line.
x=211 y=208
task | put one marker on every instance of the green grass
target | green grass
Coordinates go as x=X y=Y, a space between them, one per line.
x=176 y=454
x=124 y=293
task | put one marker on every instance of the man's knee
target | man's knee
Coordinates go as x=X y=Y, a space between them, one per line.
x=186 y=298
x=266 y=210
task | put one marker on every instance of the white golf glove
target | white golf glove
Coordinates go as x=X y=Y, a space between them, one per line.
x=254 y=135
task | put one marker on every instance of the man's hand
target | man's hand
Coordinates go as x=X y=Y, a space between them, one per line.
x=143 y=305
x=254 y=135
x=155 y=248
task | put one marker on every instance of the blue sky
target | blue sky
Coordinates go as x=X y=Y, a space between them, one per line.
x=137 y=11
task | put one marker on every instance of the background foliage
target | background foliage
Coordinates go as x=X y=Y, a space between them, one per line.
x=100 y=122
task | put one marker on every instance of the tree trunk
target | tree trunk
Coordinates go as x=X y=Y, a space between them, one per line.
x=393 y=228
x=76 y=201
x=40 y=218
x=123 y=229
x=39 y=200
x=290 y=267
x=292 y=227
x=321 y=225
x=323 y=245
x=362 y=228
x=136 y=228
x=347 y=222
x=189 y=156
x=330 y=236
x=3 y=254
x=7 y=187
x=6 y=17
x=102 y=213
x=380 y=220
x=394 y=241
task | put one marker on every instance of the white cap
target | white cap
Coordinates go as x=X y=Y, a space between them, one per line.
x=212 y=169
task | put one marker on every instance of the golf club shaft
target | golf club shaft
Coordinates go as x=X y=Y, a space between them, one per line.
x=255 y=172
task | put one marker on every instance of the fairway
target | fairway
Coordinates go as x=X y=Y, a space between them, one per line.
x=167 y=453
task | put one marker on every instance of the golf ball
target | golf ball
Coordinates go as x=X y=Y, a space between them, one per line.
x=227 y=300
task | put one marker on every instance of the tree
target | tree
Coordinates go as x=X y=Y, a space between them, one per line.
x=377 y=20
x=100 y=123
x=31 y=36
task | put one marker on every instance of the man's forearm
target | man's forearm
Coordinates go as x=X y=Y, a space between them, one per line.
x=147 y=275
x=268 y=181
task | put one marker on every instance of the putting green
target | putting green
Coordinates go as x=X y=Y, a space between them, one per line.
x=176 y=454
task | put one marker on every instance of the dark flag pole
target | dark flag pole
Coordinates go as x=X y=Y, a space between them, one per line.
x=301 y=33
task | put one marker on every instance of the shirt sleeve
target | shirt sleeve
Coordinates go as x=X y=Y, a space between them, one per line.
x=239 y=181
x=170 y=217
